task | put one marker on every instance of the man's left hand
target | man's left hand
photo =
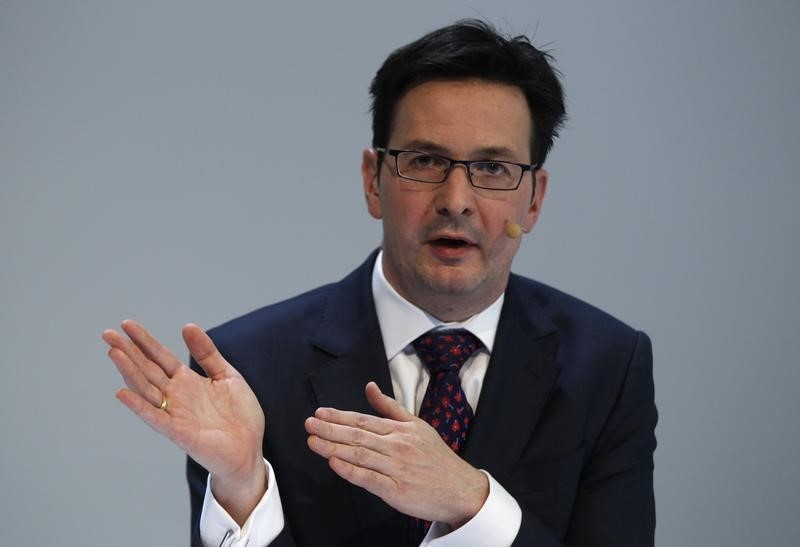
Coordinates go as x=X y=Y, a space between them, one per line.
x=399 y=458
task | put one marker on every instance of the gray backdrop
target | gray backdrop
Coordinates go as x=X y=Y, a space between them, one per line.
x=190 y=161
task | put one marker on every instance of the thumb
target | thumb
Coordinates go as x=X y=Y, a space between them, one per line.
x=205 y=352
x=386 y=406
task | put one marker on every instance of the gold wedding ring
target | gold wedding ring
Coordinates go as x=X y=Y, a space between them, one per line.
x=163 y=402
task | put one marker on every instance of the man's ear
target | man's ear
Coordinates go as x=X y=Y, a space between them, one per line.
x=540 y=190
x=369 y=172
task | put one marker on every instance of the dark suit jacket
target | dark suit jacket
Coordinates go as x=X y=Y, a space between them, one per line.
x=565 y=423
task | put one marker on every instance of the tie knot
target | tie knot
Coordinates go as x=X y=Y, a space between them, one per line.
x=445 y=349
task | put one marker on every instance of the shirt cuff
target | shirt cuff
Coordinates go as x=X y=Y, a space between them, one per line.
x=495 y=525
x=218 y=529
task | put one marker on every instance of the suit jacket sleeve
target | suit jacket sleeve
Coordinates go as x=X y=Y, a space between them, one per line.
x=615 y=503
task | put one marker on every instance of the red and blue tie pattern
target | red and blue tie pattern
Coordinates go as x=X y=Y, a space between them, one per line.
x=445 y=405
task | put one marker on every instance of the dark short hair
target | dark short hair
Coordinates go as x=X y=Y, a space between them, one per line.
x=472 y=49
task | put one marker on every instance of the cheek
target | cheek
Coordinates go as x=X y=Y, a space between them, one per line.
x=502 y=246
x=406 y=210
x=502 y=213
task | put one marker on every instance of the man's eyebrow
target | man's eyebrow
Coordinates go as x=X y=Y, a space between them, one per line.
x=499 y=152
x=489 y=152
x=423 y=145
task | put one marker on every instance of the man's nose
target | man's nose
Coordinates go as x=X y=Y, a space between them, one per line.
x=456 y=196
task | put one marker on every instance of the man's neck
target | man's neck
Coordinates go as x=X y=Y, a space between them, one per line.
x=402 y=321
x=448 y=308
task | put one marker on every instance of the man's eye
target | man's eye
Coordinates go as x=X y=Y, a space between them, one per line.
x=491 y=168
x=425 y=161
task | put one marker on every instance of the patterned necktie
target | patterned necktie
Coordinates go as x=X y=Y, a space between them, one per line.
x=445 y=405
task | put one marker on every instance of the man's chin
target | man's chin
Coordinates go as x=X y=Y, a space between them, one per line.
x=444 y=281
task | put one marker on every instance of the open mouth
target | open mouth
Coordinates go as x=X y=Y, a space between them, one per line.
x=451 y=242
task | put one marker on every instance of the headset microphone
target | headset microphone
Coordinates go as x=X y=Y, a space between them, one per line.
x=514 y=230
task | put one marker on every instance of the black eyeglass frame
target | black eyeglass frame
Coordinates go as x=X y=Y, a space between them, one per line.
x=394 y=152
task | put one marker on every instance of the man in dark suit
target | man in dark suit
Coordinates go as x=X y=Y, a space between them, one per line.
x=541 y=429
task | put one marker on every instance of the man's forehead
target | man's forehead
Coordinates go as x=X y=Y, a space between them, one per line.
x=464 y=116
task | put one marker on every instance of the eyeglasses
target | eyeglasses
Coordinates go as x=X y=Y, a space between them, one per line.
x=432 y=168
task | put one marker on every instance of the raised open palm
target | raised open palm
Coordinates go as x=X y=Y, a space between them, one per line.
x=216 y=420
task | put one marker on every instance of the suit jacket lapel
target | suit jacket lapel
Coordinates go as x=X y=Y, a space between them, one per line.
x=349 y=332
x=521 y=373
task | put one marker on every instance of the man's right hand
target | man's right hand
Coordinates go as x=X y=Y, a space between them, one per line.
x=216 y=420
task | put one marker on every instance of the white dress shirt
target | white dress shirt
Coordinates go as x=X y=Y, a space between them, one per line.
x=401 y=322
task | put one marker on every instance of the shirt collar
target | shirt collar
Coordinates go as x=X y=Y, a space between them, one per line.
x=401 y=322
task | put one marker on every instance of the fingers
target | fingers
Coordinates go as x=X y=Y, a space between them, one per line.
x=349 y=435
x=392 y=411
x=205 y=352
x=148 y=371
x=360 y=456
x=145 y=364
x=366 y=422
x=151 y=415
x=385 y=405
x=373 y=481
x=359 y=439
x=133 y=376
x=151 y=347
x=346 y=434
